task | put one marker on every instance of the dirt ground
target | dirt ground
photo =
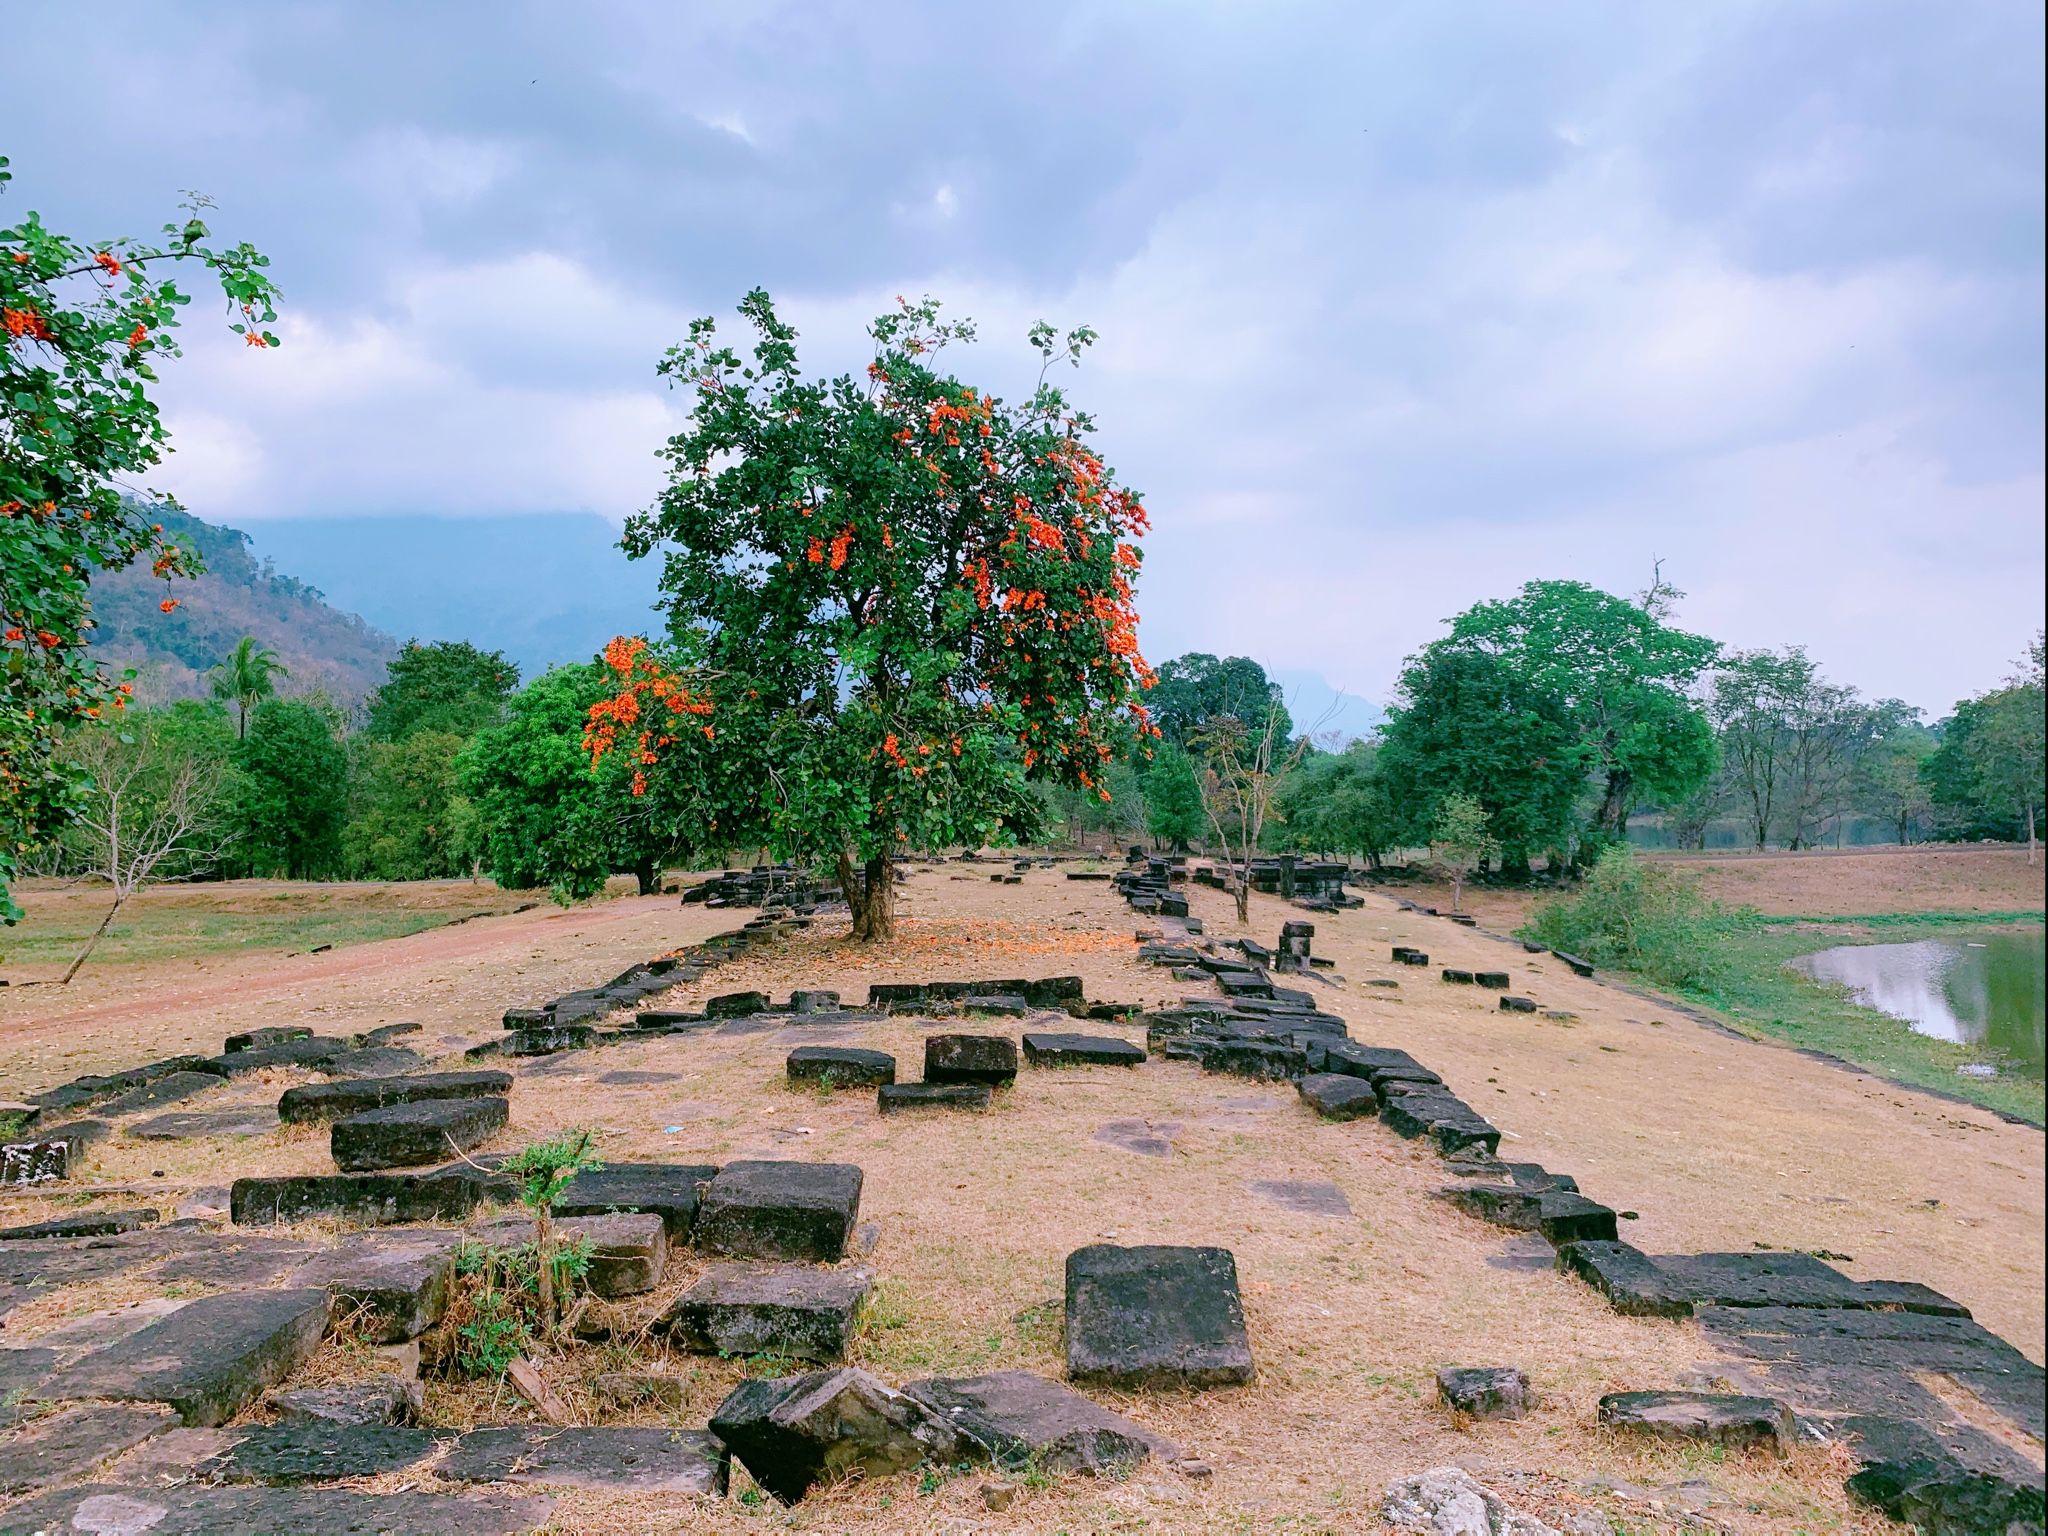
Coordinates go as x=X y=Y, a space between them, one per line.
x=1715 y=1143
x=1929 y=877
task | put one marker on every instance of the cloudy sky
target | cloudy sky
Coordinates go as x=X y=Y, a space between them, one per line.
x=1401 y=304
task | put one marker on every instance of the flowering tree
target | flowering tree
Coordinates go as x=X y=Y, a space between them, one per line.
x=84 y=325
x=900 y=597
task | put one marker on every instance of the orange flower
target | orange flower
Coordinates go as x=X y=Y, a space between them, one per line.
x=256 y=340
x=25 y=322
x=137 y=336
x=106 y=259
x=167 y=604
x=817 y=554
x=840 y=546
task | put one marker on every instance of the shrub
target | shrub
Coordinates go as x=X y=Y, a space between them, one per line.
x=1636 y=916
x=495 y=1311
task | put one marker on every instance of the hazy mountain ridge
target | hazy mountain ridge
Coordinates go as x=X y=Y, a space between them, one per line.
x=325 y=647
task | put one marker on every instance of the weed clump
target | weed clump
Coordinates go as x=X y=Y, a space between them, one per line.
x=1633 y=915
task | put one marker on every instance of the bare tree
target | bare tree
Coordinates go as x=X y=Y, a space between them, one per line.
x=153 y=809
x=1243 y=767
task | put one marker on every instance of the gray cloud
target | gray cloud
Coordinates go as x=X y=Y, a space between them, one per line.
x=1401 y=305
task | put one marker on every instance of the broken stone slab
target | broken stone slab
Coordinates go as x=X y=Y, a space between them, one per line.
x=1369 y=1061
x=382 y=1400
x=795 y=1432
x=207 y=1511
x=1920 y=1480
x=1450 y=1122
x=785 y=1309
x=96 y=1330
x=208 y=1359
x=667 y=1190
x=1337 y=1096
x=1047 y=1049
x=1152 y=1317
x=1704 y=1417
x=1772 y=1278
x=81 y=1224
x=375 y=1061
x=239 y=1261
x=792 y=1212
x=71 y=1443
x=988 y=1059
x=1009 y=1005
x=290 y=1455
x=196 y=1125
x=1015 y=1418
x=1055 y=992
x=308 y=1051
x=413 y=1134
x=1140 y=1136
x=170 y=1089
x=34 y=1162
x=329 y=1101
x=377 y=1199
x=1626 y=1276
x=1484 y=1392
x=840 y=1066
x=266 y=1037
x=1562 y=1216
x=1513 y=1004
x=659 y=1460
x=1446 y=1501
x=394 y=1283
x=896 y=1098
x=1457 y=977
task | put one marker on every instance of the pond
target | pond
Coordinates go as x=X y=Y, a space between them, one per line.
x=1978 y=992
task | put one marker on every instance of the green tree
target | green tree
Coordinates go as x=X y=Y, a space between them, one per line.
x=1460 y=841
x=545 y=814
x=2005 y=749
x=1193 y=687
x=84 y=325
x=408 y=818
x=1173 y=798
x=243 y=679
x=448 y=687
x=1464 y=723
x=1339 y=802
x=1894 y=781
x=1621 y=677
x=905 y=598
x=1242 y=771
x=294 y=789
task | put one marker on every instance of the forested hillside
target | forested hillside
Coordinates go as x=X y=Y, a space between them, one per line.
x=323 y=647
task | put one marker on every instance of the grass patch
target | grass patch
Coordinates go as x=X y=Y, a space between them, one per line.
x=1756 y=989
x=1906 y=919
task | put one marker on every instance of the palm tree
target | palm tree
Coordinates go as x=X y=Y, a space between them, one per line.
x=244 y=678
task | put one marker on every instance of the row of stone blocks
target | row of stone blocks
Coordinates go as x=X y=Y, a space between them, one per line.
x=960 y=1071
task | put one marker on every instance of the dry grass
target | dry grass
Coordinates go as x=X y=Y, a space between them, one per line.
x=1719 y=1143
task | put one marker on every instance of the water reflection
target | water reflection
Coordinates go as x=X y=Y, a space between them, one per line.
x=1988 y=991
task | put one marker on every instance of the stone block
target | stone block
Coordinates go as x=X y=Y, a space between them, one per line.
x=785 y=1309
x=791 y=1212
x=628 y=1254
x=311 y=1051
x=1564 y=1217
x=1457 y=977
x=1336 y=1096
x=1577 y=966
x=657 y=1460
x=840 y=1066
x=1369 y=1061
x=989 y=1059
x=413 y=1134
x=199 y=1510
x=527 y=1018
x=266 y=1037
x=813 y=1000
x=394 y=1283
x=1261 y=1060
x=1045 y=1049
x=197 y=1125
x=370 y=1199
x=1015 y=1419
x=1499 y=981
x=1513 y=1004
x=1484 y=1392
x=329 y=1101
x=549 y=1040
x=34 y=1162
x=667 y=1190
x=795 y=1432
x=380 y=1400
x=1054 y=992
x=1633 y=1284
x=1910 y=1475
x=1766 y=1279
x=80 y=1224
x=208 y=1359
x=737 y=1005
x=1702 y=1417
x=1155 y=1317
x=291 y=1455
x=172 y=1088
x=1008 y=1005
x=73 y=1442
x=898 y=1098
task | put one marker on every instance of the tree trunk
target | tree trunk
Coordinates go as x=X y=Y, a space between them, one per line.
x=871 y=894
x=2033 y=843
x=65 y=980
x=649 y=876
x=543 y=1243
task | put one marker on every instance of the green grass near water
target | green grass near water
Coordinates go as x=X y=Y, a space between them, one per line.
x=164 y=936
x=1758 y=993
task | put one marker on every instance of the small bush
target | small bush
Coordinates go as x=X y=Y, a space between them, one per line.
x=1648 y=918
x=494 y=1310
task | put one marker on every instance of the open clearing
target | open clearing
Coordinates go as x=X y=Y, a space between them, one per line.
x=1717 y=1143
